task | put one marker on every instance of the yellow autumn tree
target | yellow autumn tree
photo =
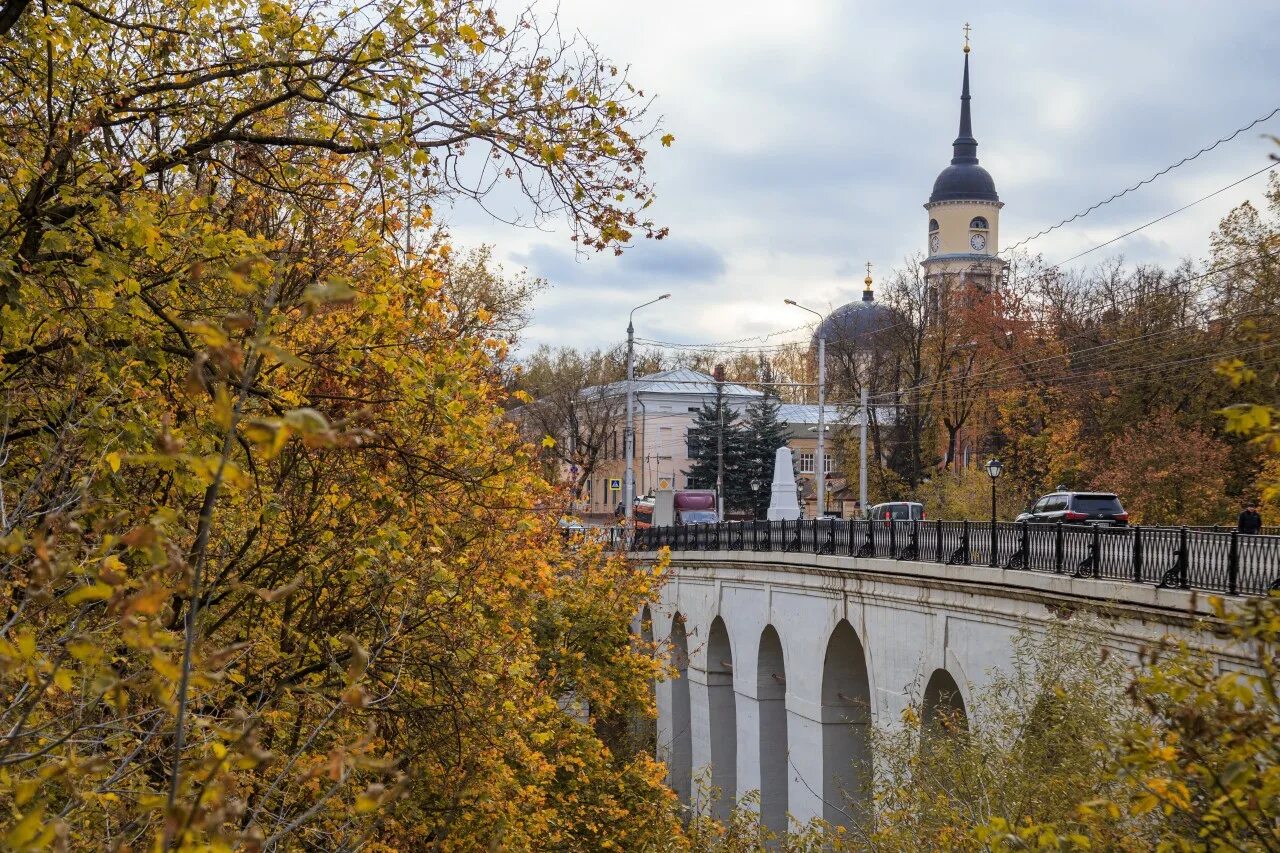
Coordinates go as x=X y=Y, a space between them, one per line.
x=274 y=572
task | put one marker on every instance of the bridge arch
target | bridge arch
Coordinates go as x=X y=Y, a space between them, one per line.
x=846 y=728
x=644 y=728
x=723 y=719
x=680 y=750
x=943 y=710
x=771 y=694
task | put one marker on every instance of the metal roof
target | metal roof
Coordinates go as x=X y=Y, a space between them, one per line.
x=804 y=414
x=681 y=381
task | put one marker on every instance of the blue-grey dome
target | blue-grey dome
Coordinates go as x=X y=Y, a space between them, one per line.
x=856 y=325
x=964 y=182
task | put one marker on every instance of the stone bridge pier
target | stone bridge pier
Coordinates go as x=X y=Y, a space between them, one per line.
x=785 y=662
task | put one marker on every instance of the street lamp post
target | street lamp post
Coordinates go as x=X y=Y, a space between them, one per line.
x=994 y=469
x=629 y=432
x=820 y=472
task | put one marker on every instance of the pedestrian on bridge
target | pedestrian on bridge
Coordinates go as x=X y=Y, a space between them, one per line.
x=1250 y=521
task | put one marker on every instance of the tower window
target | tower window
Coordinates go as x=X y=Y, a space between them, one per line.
x=933 y=225
x=978 y=223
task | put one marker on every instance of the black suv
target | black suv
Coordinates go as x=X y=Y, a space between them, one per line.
x=1102 y=508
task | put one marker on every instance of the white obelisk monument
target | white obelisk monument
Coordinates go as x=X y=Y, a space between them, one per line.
x=783 y=505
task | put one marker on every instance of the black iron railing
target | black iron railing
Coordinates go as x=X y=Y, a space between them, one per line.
x=1216 y=560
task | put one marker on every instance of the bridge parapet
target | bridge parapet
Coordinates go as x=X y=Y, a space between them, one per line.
x=1216 y=561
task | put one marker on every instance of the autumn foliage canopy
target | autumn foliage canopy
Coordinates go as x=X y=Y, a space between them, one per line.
x=273 y=574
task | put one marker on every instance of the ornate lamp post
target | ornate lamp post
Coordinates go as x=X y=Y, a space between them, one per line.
x=994 y=469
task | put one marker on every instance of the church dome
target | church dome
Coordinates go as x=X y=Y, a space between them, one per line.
x=855 y=326
x=964 y=182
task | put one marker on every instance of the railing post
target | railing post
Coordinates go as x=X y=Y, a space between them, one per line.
x=852 y=547
x=893 y=539
x=1233 y=563
x=995 y=545
x=1026 y=545
x=1059 y=549
x=964 y=542
x=1184 y=559
x=1096 y=557
x=915 y=539
x=871 y=537
x=1137 y=553
x=942 y=558
x=815 y=536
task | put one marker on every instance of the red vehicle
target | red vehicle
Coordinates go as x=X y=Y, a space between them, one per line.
x=643 y=511
x=696 y=506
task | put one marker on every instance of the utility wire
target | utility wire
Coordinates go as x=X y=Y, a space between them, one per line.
x=1167 y=215
x=1068 y=380
x=1014 y=364
x=1143 y=182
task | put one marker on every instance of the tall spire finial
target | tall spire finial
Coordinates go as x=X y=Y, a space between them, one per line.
x=867 y=295
x=965 y=148
x=966 y=36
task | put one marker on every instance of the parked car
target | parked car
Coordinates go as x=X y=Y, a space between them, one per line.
x=898 y=511
x=1100 y=508
x=570 y=526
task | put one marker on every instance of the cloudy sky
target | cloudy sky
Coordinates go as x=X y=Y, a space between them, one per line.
x=808 y=135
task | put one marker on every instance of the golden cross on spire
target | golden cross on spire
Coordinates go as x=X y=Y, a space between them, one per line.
x=868 y=279
x=967 y=28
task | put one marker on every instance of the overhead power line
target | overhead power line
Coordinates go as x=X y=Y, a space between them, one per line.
x=1130 y=233
x=724 y=344
x=1143 y=182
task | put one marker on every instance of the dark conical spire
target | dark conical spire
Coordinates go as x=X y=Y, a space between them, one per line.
x=964 y=179
x=965 y=148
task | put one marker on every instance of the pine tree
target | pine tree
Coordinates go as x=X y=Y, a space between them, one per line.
x=703 y=454
x=765 y=433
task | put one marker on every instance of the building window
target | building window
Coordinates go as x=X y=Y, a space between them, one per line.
x=978 y=224
x=805 y=463
x=933 y=225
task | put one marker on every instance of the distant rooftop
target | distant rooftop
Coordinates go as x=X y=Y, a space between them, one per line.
x=804 y=414
x=681 y=381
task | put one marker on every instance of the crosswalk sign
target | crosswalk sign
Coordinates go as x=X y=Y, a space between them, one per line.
x=615 y=484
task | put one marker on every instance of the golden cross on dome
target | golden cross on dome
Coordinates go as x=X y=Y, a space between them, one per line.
x=868 y=272
x=967 y=28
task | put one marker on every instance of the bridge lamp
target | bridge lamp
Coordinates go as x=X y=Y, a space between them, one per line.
x=994 y=469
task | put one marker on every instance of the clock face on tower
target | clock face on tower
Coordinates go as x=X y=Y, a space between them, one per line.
x=978 y=242
x=934 y=243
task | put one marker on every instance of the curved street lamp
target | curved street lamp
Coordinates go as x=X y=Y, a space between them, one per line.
x=629 y=431
x=820 y=464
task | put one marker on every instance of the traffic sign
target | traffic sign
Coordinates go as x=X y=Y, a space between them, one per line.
x=615 y=484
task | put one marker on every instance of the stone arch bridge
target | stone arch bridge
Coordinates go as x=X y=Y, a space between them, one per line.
x=786 y=660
